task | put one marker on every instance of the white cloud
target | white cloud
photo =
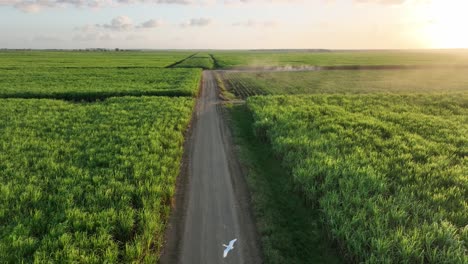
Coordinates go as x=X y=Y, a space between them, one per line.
x=93 y=36
x=233 y=2
x=152 y=23
x=37 y=5
x=383 y=2
x=30 y=6
x=120 y=23
x=254 y=23
x=197 y=22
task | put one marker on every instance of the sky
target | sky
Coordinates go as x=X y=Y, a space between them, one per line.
x=233 y=24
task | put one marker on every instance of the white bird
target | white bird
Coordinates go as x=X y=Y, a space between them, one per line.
x=229 y=247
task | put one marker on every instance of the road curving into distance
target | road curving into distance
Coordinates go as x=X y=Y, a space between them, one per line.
x=212 y=204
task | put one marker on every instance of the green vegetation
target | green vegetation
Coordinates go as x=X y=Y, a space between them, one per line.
x=88 y=182
x=245 y=84
x=233 y=59
x=203 y=61
x=290 y=231
x=379 y=156
x=93 y=59
x=97 y=83
x=387 y=172
x=383 y=176
x=224 y=93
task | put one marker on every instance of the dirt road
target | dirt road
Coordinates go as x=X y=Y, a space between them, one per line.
x=213 y=205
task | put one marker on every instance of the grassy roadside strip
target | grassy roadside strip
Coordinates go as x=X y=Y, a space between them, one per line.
x=224 y=94
x=290 y=231
x=215 y=62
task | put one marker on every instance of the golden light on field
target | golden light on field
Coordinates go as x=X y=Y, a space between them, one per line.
x=445 y=23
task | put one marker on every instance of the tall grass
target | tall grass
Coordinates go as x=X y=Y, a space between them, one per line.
x=88 y=183
x=97 y=83
x=200 y=60
x=246 y=84
x=80 y=59
x=389 y=173
x=241 y=59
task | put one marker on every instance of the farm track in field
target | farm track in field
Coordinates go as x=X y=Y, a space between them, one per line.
x=181 y=61
x=212 y=204
x=215 y=62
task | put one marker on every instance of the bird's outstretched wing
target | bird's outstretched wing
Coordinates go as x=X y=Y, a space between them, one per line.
x=229 y=247
x=231 y=244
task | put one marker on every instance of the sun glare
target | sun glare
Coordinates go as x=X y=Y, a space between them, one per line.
x=445 y=23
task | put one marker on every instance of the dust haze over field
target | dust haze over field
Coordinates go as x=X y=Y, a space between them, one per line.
x=339 y=58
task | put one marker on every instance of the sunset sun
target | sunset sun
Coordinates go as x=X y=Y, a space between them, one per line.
x=445 y=23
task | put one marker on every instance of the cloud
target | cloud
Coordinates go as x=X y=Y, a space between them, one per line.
x=37 y=5
x=93 y=36
x=152 y=23
x=253 y=23
x=30 y=6
x=233 y=2
x=120 y=23
x=197 y=22
x=382 y=2
x=180 y=2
